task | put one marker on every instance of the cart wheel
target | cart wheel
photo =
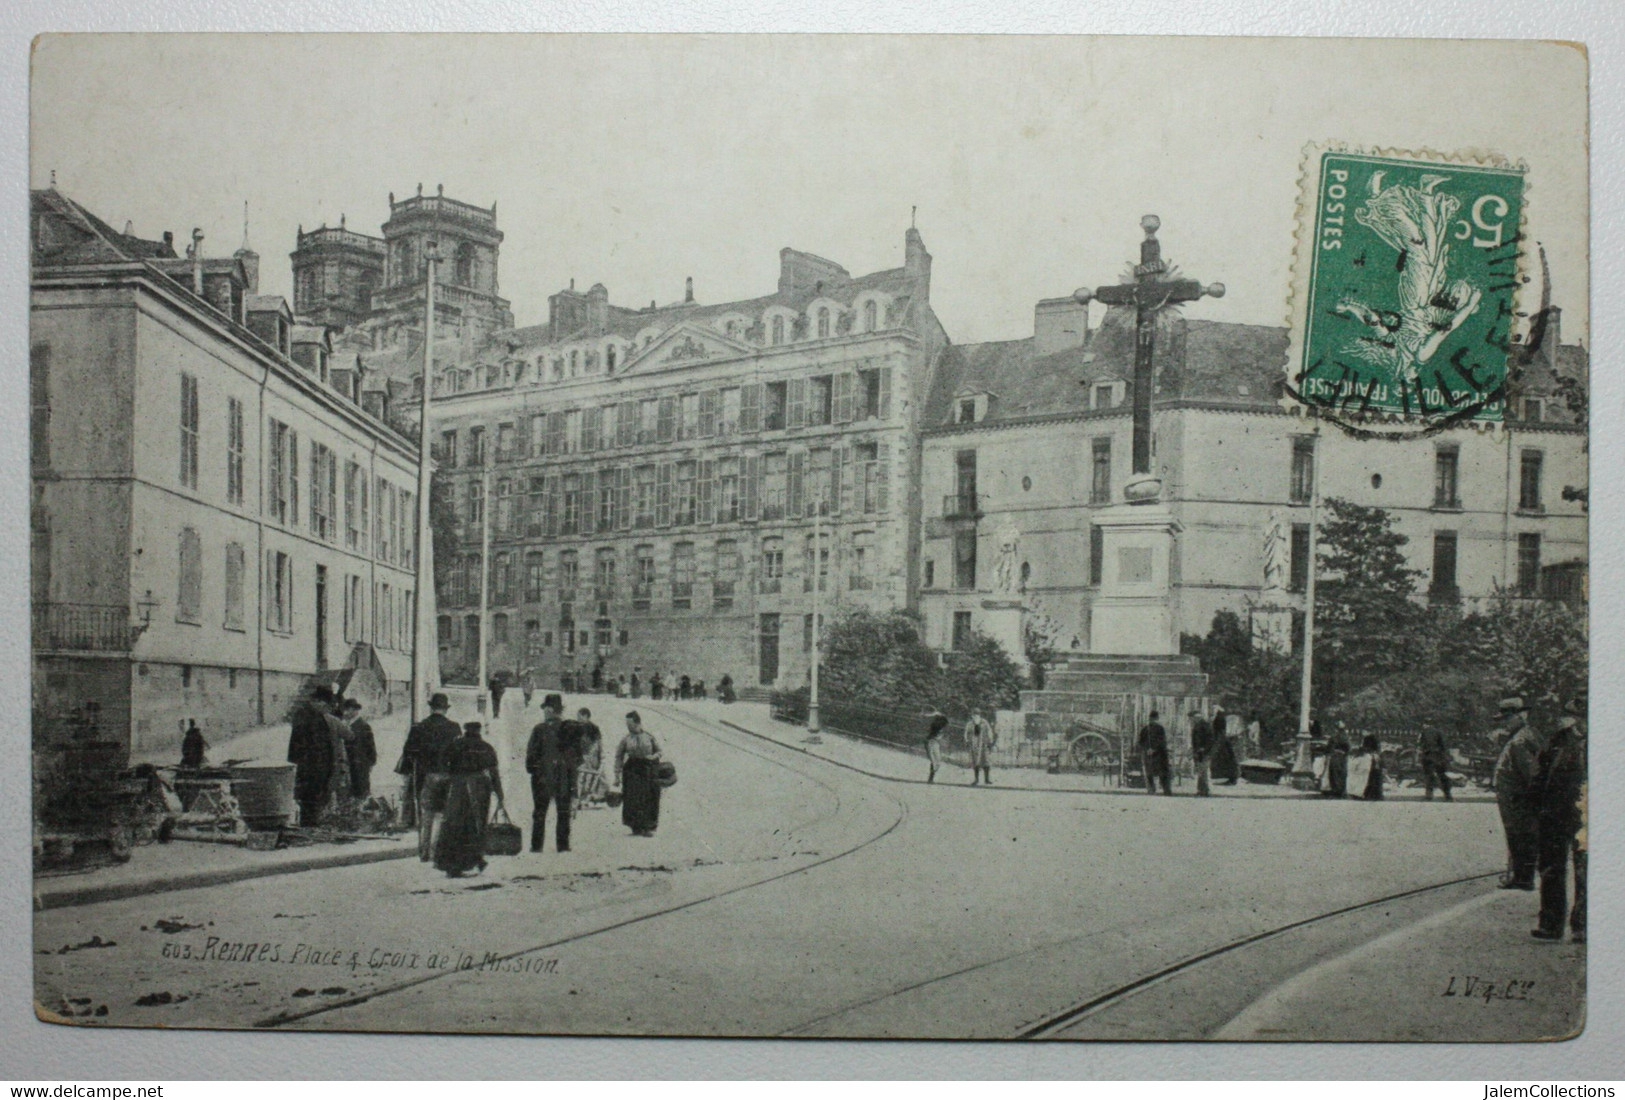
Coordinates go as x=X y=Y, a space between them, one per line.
x=1090 y=752
x=121 y=842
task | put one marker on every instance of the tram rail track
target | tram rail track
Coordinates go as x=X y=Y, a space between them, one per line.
x=282 y=1019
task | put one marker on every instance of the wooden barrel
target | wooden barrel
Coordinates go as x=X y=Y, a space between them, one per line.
x=264 y=794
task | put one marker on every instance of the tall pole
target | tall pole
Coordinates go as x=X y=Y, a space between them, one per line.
x=485 y=569
x=1303 y=769
x=817 y=626
x=425 y=578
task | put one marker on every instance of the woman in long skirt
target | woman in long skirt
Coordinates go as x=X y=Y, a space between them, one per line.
x=472 y=765
x=635 y=763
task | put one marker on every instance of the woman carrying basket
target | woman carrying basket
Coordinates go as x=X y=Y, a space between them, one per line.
x=472 y=767
x=635 y=764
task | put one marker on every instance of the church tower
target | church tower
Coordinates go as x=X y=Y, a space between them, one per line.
x=335 y=272
x=467 y=301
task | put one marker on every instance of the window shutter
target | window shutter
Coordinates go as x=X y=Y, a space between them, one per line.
x=663 y=487
x=885 y=393
x=707 y=474
x=270 y=587
x=794 y=481
x=752 y=486
x=843 y=397
x=623 y=498
x=293 y=478
x=797 y=401
x=847 y=470
x=666 y=422
x=550 y=505
x=750 y=407
x=882 y=466
x=626 y=424
x=708 y=413
x=835 y=468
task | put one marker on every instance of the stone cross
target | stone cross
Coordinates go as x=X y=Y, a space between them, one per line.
x=1149 y=293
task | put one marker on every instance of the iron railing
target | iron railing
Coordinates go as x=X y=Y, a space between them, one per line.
x=103 y=628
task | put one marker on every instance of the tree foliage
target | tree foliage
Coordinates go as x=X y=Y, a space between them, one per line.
x=1368 y=623
x=1248 y=678
x=442 y=528
x=880 y=660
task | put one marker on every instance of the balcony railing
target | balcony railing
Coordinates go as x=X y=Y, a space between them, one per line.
x=102 y=628
x=959 y=506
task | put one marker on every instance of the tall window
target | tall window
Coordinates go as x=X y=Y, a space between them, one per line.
x=823 y=564
x=873 y=394
x=189 y=430
x=775 y=479
x=569 y=575
x=962 y=629
x=1298 y=569
x=728 y=411
x=820 y=400
x=1097 y=553
x=1303 y=469
x=724 y=575
x=501 y=578
x=604 y=579
x=384 y=537
x=353 y=631
x=282 y=497
x=476 y=446
x=1100 y=470
x=234 y=450
x=353 y=523
x=688 y=417
x=772 y=564
x=1446 y=492
x=278 y=592
x=535 y=576
x=506 y=448
x=235 y=563
x=775 y=405
x=778 y=330
x=323 y=492
x=870 y=474
x=965 y=483
x=863 y=561
x=871 y=316
x=965 y=559
x=1529 y=563
x=727 y=490
x=823 y=322
x=1443 y=581
x=448 y=450
x=476 y=502
x=687 y=497
x=643 y=497
x=1529 y=481
x=406 y=529
x=643 y=576
x=682 y=574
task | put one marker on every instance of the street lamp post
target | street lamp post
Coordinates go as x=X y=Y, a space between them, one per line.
x=423 y=584
x=813 y=727
x=485 y=577
x=1303 y=764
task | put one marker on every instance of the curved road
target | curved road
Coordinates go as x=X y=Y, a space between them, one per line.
x=787 y=895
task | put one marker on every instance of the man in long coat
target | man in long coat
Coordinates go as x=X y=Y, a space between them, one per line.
x=1153 y=747
x=551 y=758
x=1561 y=789
x=980 y=738
x=1517 y=794
x=424 y=761
x=1201 y=752
x=310 y=751
x=1435 y=761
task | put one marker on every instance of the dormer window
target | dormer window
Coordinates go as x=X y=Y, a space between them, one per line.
x=823 y=322
x=575 y=363
x=1106 y=395
x=871 y=316
x=967 y=410
x=970 y=408
x=1533 y=409
x=609 y=357
x=778 y=330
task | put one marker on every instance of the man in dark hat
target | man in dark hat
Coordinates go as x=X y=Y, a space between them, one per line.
x=1562 y=792
x=1153 y=746
x=363 y=749
x=1517 y=794
x=1434 y=756
x=310 y=751
x=424 y=763
x=551 y=758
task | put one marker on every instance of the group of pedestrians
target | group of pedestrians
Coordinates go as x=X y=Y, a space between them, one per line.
x=1540 y=789
x=333 y=750
x=452 y=777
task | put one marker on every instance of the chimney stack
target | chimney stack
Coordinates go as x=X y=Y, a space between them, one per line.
x=196 y=253
x=688 y=289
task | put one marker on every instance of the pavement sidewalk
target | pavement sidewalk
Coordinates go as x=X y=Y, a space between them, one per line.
x=1471 y=973
x=890 y=762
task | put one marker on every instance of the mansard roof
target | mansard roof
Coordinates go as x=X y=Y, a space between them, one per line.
x=1210 y=362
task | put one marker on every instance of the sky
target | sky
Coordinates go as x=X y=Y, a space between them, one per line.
x=639 y=160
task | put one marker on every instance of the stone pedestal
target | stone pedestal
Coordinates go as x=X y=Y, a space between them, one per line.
x=1132 y=615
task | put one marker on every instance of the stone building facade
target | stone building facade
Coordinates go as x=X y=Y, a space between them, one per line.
x=652 y=476
x=215 y=518
x=1023 y=440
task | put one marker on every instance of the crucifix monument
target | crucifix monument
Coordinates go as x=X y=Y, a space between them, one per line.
x=1131 y=614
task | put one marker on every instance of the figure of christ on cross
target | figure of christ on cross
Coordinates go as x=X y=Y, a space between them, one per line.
x=1149 y=293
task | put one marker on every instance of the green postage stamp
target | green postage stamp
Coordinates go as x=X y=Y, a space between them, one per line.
x=1405 y=289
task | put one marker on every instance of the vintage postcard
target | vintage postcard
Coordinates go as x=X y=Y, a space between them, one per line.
x=827 y=536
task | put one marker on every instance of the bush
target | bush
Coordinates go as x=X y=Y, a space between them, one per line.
x=791 y=706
